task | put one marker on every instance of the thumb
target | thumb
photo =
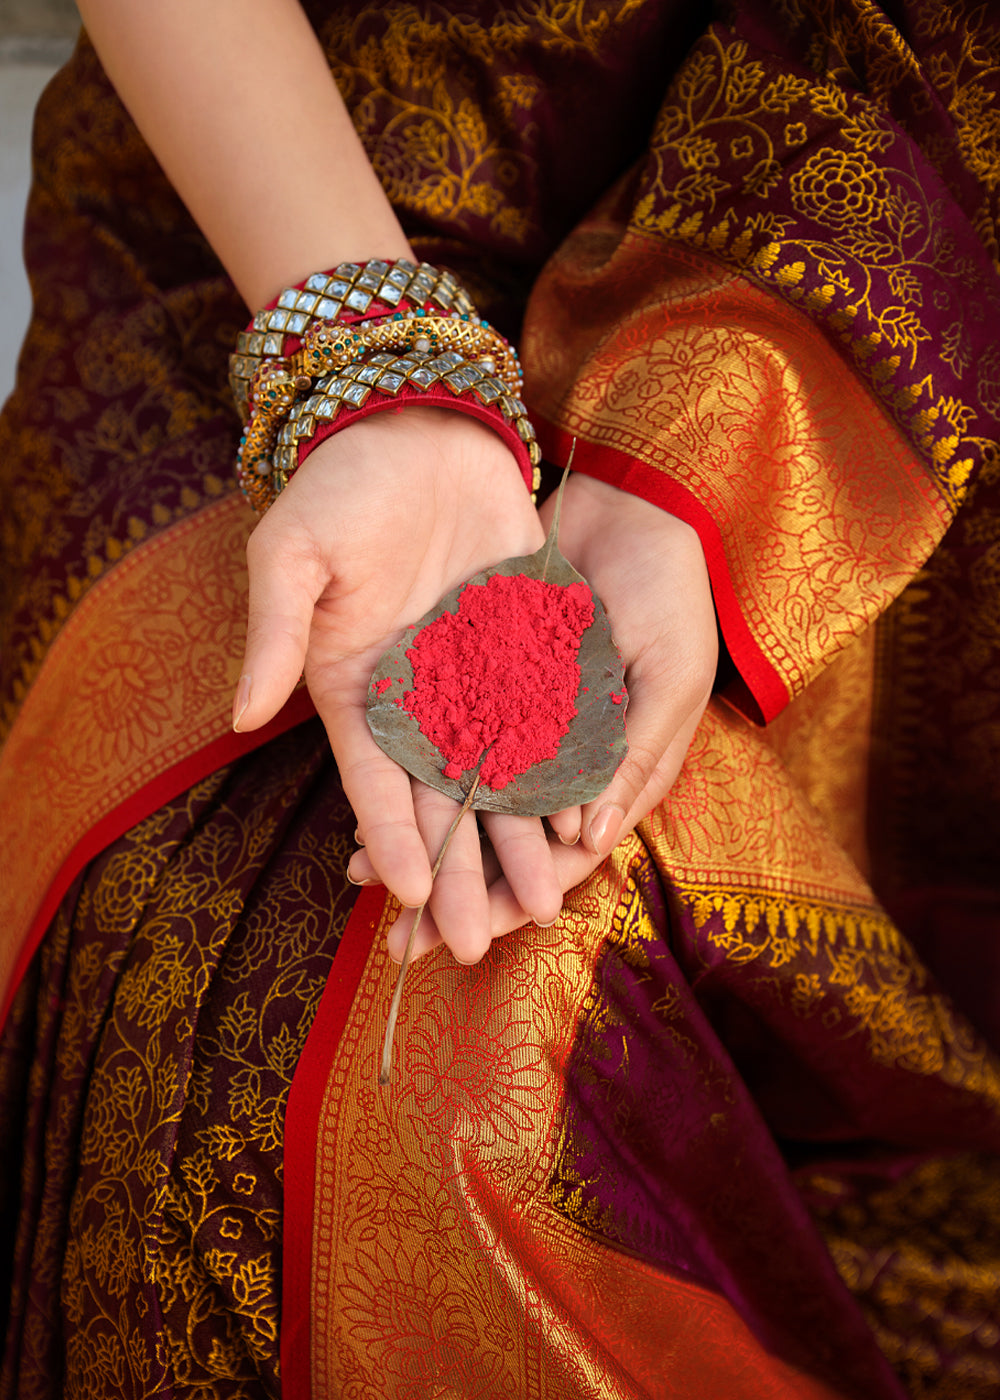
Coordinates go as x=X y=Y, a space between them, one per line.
x=659 y=735
x=283 y=594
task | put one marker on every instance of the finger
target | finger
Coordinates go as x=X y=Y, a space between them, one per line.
x=655 y=755
x=380 y=794
x=379 y=791
x=426 y=937
x=455 y=896
x=491 y=866
x=665 y=705
x=567 y=825
x=284 y=587
x=458 y=901
x=521 y=847
x=506 y=914
x=572 y=864
x=360 y=870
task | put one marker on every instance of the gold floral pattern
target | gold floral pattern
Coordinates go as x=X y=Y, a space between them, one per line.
x=814 y=931
x=156 y=1191
x=850 y=231
x=437 y=1256
x=160 y=671
x=453 y=109
x=840 y=189
x=895 y=1240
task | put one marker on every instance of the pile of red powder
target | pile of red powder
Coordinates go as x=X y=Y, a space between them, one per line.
x=500 y=671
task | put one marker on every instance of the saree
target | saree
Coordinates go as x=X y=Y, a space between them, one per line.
x=730 y=1127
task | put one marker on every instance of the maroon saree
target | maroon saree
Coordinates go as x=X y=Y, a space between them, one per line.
x=730 y=1128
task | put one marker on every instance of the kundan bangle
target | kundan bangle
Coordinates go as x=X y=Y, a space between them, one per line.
x=321 y=357
x=375 y=288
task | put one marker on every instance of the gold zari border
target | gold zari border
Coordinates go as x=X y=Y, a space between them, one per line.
x=438 y=1259
x=666 y=359
x=138 y=681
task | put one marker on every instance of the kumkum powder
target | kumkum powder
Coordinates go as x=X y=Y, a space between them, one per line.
x=500 y=674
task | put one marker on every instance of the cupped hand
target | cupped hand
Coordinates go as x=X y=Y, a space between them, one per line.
x=380 y=522
x=649 y=570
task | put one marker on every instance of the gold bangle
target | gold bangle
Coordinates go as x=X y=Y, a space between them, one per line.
x=350 y=388
x=421 y=314
x=325 y=296
x=328 y=348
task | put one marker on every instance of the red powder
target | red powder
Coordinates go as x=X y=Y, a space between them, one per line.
x=502 y=671
x=383 y=685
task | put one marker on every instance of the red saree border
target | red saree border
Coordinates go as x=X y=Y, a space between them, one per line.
x=336 y=1118
x=109 y=730
x=141 y=804
x=302 y=1138
x=760 y=693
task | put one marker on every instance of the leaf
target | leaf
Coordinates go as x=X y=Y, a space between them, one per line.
x=589 y=752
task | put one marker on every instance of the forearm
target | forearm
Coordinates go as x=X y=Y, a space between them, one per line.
x=237 y=103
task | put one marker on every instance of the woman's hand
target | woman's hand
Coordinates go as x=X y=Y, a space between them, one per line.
x=378 y=524
x=648 y=569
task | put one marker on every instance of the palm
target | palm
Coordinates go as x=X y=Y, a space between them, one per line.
x=381 y=522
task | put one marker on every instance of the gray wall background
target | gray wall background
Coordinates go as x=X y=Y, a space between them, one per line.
x=33 y=31
x=35 y=38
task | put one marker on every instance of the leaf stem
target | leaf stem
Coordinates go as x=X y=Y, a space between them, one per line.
x=385 y=1070
x=552 y=539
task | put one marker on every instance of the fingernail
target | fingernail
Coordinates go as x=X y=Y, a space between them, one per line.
x=358 y=837
x=604 y=828
x=565 y=843
x=550 y=922
x=368 y=880
x=240 y=701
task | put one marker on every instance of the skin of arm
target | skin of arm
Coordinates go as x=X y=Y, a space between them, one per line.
x=237 y=103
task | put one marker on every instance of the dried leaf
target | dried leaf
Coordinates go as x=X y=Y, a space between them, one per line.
x=589 y=752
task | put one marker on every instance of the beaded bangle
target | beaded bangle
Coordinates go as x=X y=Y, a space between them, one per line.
x=300 y=373
x=377 y=383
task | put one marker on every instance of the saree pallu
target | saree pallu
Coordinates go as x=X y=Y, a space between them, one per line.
x=731 y=1126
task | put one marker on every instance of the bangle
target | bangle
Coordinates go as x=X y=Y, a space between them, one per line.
x=382 y=382
x=277 y=384
x=350 y=290
x=300 y=374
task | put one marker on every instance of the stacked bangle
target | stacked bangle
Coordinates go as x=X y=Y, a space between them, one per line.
x=352 y=289
x=359 y=339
